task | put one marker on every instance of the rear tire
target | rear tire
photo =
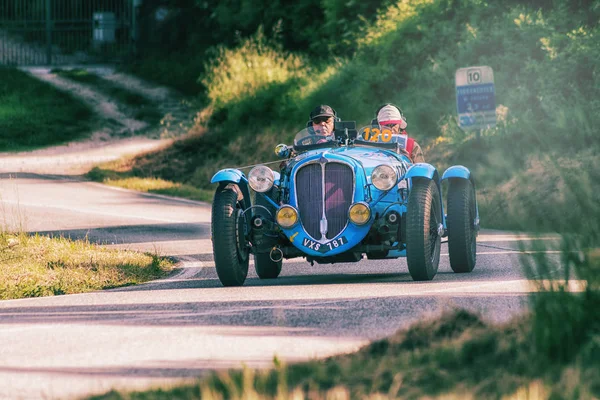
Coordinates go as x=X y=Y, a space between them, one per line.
x=230 y=249
x=462 y=235
x=423 y=241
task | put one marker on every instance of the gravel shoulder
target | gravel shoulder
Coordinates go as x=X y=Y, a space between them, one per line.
x=116 y=134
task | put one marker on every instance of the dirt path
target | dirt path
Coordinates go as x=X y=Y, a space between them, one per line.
x=117 y=135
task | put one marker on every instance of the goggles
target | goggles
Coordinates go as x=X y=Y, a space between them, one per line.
x=319 y=120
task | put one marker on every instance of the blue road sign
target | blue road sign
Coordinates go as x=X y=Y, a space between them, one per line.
x=475 y=97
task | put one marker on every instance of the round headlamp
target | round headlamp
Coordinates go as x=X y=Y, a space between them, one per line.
x=286 y=216
x=359 y=213
x=261 y=178
x=384 y=177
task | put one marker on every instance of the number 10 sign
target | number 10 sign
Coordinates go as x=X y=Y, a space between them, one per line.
x=475 y=97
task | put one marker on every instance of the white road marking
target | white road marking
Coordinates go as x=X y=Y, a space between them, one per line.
x=517 y=252
x=513 y=286
x=513 y=238
x=88 y=211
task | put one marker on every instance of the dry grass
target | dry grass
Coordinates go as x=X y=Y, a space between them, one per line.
x=34 y=266
x=136 y=173
x=456 y=356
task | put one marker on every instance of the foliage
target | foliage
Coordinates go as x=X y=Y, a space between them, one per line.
x=242 y=72
x=545 y=59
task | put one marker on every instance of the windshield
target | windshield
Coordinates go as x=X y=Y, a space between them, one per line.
x=308 y=139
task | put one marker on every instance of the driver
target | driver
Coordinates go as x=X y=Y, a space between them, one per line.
x=390 y=116
x=322 y=120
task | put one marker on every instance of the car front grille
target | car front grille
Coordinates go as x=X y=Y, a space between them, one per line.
x=326 y=190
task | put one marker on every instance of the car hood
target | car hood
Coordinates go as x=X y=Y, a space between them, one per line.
x=359 y=157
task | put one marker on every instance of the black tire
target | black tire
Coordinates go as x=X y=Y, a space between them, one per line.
x=264 y=266
x=462 y=234
x=423 y=241
x=229 y=245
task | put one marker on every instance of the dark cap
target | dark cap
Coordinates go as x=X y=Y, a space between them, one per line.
x=322 y=111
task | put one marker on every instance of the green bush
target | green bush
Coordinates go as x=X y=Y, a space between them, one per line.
x=544 y=55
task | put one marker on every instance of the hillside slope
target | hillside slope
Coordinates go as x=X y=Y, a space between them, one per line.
x=545 y=59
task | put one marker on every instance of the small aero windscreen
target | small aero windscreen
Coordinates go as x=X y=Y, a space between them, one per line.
x=343 y=128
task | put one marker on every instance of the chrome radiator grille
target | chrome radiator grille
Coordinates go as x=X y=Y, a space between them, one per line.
x=324 y=189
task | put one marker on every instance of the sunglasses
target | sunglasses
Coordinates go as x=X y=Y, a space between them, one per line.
x=318 y=120
x=389 y=125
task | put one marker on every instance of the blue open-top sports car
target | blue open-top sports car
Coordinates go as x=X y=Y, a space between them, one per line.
x=338 y=198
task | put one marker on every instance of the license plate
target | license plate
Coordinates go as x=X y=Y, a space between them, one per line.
x=324 y=247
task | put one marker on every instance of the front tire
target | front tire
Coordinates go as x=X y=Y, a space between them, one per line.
x=230 y=249
x=462 y=234
x=423 y=241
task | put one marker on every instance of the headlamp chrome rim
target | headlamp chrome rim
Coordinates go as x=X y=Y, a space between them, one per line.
x=279 y=216
x=384 y=177
x=360 y=204
x=261 y=178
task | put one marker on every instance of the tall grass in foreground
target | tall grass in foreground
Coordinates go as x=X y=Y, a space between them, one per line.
x=457 y=356
x=566 y=325
x=34 y=266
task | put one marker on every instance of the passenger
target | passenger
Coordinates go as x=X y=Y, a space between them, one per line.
x=390 y=116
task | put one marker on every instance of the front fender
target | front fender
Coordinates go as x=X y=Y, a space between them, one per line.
x=422 y=170
x=427 y=171
x=228 y=175
x=234 y=177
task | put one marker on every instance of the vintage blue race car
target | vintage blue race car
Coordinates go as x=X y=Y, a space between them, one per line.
x=338 y=198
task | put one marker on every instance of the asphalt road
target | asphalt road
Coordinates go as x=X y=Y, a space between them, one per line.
x=174 y=329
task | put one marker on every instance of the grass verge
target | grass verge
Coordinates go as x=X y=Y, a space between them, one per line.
x=112 y=175
x=134 y=104
x=457 y=356
x=35 y=266
x=33 y=114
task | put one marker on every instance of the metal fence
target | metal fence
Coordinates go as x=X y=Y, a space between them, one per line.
x=55 y=32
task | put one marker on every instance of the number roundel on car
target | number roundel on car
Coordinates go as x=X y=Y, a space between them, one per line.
x=374 y=134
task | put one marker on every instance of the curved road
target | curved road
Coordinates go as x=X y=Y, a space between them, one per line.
x=174 y=329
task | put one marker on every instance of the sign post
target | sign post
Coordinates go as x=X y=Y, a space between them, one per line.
x=475 y=98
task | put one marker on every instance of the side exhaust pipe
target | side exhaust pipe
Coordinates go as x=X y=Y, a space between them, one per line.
x=276 y=254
